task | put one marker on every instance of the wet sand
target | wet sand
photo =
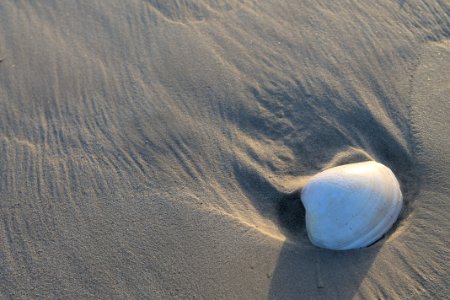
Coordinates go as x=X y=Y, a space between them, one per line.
x=156 y=149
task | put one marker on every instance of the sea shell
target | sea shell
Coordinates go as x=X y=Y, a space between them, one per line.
x=351 y=206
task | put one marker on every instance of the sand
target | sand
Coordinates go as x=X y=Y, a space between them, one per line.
x=155 y=149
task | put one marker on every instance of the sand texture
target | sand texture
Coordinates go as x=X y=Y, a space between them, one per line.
x=155 y=149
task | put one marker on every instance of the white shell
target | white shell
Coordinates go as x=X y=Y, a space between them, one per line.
x=351 y=206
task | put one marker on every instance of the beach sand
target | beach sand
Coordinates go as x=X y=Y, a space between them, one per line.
x=155 y=149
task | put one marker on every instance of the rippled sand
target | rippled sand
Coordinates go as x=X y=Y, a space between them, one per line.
x=155 y=149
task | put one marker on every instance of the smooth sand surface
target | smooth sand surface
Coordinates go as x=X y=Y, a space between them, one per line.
x=155 y=148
